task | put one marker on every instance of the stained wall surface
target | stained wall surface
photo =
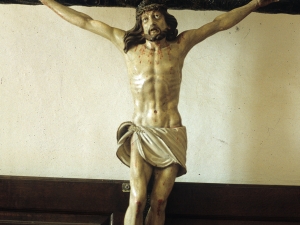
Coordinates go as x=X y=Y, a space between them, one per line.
x=64 y=92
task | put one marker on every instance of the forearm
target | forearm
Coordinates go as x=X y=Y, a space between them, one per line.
x=230 y=19
x=68 y=14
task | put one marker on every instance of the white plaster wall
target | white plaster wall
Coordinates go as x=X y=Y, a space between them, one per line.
x=64 y=92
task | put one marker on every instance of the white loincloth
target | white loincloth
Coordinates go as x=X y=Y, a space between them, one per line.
x=160 y=147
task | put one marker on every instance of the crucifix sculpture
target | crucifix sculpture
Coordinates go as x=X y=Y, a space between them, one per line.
x=154 y=143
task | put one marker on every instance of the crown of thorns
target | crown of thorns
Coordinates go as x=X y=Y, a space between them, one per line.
x=148 y=5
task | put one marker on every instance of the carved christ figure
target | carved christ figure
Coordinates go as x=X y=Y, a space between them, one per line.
x=154 y=143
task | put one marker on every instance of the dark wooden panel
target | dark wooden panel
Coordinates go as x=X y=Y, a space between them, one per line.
x=29 y=200
x=281 y=203
x=17 y=222
x=52 y=218
x=187 y=221
x=62 y=195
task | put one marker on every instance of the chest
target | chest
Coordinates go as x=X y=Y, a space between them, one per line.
x=163 y=61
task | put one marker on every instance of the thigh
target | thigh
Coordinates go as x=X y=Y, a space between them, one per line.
x=140 y=170
x=164 y=179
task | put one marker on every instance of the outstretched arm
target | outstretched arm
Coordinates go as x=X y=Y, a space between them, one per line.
x=86 y=22
x=224 y=21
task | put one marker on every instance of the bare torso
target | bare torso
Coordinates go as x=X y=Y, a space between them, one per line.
x=155 y=78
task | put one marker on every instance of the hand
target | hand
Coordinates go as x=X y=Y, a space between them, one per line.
x=262 y=3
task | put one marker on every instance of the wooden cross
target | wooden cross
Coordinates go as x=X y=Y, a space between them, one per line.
x=283 y=6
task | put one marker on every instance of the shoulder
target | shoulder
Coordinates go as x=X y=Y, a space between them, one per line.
x=183 y=42
x=200 y=34
x=117 y=38
x=190 y=38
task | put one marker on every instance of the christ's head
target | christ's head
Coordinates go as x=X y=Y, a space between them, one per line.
x=153 y=23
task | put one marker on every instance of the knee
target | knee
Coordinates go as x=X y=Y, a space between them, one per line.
x=138 y=202
x=138 y=199
x=158 y=205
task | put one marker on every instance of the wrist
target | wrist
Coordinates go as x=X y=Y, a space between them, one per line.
x=255 y=4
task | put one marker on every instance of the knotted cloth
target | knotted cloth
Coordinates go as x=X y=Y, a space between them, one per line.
x=160 y=147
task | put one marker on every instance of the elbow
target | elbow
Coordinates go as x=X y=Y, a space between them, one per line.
x=220 y=25
x=82 y=22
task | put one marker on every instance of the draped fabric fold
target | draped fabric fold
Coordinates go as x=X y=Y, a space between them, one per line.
x=160 y=147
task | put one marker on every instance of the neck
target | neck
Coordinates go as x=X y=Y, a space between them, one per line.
x=156 y=45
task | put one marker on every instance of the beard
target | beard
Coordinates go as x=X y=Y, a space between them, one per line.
x=156 y=37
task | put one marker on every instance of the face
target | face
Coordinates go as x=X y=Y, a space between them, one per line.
x=154 y=25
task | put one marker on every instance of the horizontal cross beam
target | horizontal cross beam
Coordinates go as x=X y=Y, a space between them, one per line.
x=283 y=6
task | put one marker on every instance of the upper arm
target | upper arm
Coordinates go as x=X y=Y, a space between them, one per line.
x=195 y=36
x=86 y=22
x=113 y=34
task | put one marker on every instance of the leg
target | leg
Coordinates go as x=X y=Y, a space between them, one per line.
x=140 y=173
x=162 y=187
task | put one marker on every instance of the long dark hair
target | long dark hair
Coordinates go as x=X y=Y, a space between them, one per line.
x=135 y=36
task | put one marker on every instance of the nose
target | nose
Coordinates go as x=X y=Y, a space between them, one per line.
x=152 y=22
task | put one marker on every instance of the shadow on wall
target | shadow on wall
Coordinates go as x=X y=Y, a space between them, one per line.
x=265 y=123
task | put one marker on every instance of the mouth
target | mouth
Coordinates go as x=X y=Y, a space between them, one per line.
x=154 y=31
